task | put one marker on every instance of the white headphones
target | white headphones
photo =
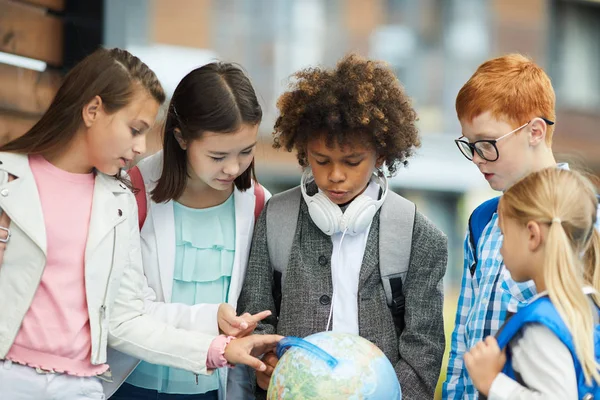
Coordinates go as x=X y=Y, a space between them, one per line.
x=329 y=217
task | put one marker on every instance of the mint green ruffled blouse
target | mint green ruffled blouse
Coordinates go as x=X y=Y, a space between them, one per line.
x=205 y=250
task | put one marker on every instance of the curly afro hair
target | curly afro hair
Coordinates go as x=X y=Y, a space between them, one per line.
x=358 y=100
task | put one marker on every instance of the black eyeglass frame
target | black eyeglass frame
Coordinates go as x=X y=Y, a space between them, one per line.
x=492 y=142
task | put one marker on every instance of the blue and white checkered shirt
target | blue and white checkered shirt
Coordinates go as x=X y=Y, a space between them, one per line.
x=482 y=305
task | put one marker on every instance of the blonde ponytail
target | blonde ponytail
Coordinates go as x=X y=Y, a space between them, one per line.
x=562 y=273
x=592 y=264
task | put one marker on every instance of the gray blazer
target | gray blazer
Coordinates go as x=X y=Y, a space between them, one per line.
x=416 y=353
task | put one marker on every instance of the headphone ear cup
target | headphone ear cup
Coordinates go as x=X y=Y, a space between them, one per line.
x=325 y=214
x=359 y=214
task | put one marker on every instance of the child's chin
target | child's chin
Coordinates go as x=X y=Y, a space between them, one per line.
x=108 y=169
x=518 y=279
x=498 y=186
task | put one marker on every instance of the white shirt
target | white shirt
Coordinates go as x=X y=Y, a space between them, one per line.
x=346 y=262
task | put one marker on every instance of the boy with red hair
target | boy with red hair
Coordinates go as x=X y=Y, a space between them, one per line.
x=506 y=111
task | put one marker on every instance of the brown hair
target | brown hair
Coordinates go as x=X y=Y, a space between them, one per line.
x=358 y=100
x=114 y=75
x=217 y=97
x=512 y=87
x=567 y=202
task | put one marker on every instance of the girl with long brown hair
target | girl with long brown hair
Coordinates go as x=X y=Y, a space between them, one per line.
x=202 y=202
x=71 y=278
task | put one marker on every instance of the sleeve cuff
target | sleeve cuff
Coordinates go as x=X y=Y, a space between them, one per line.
x=502 y=388
x=216 y=352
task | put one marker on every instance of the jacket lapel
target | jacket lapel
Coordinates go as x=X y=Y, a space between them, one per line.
x=244 y=212
x=163 y=219
x=370 y=262
x=20 y=198
x=106 y=213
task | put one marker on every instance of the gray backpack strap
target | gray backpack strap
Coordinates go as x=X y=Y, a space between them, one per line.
x=396 y=223
x=282 y=219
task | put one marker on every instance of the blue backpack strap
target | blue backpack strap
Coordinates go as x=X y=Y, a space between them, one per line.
x=541 y=311
x=477 y=223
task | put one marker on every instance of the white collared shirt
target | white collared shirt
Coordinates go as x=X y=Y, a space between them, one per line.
x=346 y=262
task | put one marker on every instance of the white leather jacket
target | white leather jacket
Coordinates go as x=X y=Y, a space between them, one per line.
x=114 y=277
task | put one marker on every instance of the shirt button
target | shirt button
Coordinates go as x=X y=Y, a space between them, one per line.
x=322 y=260
x=4 y=192
x=120 y=212
x=325 y=300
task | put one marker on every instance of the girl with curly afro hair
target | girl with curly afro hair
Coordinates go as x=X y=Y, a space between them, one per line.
x=315 y=258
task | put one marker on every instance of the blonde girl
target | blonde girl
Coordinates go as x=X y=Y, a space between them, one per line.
x=547 y=220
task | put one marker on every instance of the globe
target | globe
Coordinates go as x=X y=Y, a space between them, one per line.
x=330 y=365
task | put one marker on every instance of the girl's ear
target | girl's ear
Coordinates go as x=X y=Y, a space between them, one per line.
x=534 y=235
x=180 y=139
x=379 y=162
x=91 y=111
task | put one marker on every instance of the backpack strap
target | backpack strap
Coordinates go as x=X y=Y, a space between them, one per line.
x=477 y=223
x=140 y=194
x=539 y=311
x=281 y=226
x=542 y=311
x=530 y=313
x=259 y=202
x=396 y=223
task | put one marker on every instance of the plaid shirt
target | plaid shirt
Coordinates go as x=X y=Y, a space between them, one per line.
x=482 y=305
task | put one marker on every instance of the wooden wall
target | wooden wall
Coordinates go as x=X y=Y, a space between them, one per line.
x=29 y=28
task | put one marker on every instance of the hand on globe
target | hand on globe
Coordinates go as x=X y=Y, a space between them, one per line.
x=264 y=377
x=247 y=349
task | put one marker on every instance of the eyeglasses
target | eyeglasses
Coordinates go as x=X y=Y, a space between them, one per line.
x=487 y=148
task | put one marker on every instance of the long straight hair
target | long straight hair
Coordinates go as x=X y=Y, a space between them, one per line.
x=114 y=75
x=217 y=97
x=567 y=202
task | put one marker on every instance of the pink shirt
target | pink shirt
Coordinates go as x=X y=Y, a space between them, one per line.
x=55 y=333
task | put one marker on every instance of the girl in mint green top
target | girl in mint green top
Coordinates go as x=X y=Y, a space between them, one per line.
x=207 y=160
x=203 y=237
